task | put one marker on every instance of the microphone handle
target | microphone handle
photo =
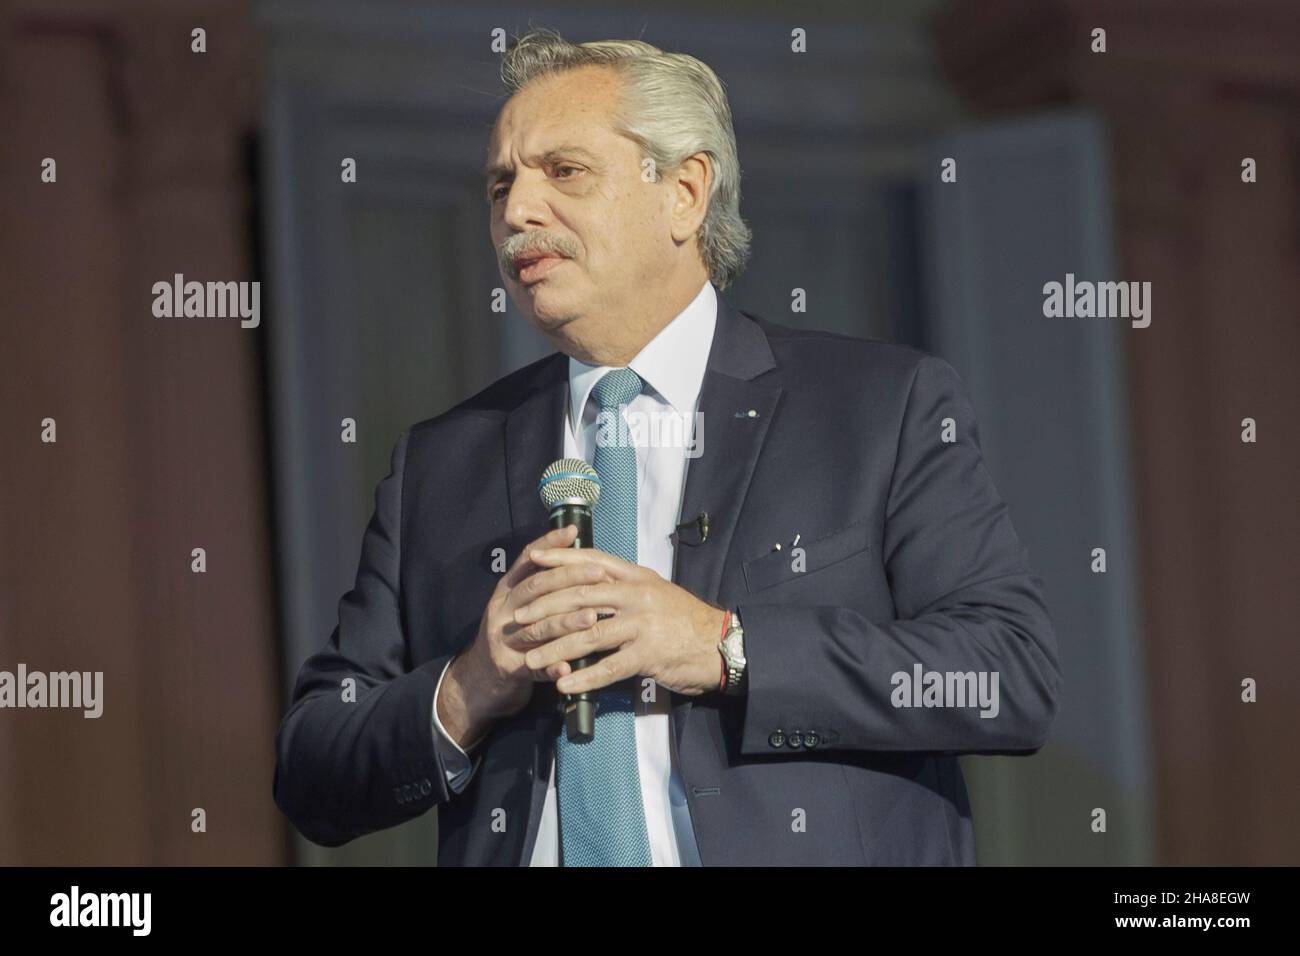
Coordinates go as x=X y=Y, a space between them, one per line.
x=579 y=709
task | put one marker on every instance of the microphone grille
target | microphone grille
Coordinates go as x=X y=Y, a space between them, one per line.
x=571 y=480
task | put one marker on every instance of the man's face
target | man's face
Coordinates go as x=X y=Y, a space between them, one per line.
x=563 y=184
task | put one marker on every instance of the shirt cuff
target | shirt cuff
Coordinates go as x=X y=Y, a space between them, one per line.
x=455 y=761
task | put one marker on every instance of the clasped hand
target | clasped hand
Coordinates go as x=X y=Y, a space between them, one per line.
x=658 y=629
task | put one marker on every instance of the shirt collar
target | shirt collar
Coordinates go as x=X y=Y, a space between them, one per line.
x=672 y=362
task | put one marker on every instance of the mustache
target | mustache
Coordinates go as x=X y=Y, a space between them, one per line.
x=534 y=242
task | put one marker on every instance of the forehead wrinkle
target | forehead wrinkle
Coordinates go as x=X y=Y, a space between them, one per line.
x=596 y=89
x=493 y=171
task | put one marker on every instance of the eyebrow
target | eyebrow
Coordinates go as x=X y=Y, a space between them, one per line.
x=493 y=172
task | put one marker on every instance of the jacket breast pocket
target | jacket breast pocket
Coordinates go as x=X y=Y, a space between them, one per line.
x=777 y=567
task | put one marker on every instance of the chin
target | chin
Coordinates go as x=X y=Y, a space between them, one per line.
x=549 y=310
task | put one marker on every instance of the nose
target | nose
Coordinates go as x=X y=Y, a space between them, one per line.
x=525 y=205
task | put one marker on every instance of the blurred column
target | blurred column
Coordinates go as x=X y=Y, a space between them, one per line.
x=1189 y=89
x=160 y=442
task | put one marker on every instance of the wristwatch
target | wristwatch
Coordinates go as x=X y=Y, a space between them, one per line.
x=732 y=647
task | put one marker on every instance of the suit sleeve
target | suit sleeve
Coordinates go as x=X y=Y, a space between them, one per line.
x=355 y=752
x=966 y=604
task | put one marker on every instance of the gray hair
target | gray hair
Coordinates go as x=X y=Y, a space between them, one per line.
x=673 y=107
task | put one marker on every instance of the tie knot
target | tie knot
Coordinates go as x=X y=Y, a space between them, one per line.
x=617 y=387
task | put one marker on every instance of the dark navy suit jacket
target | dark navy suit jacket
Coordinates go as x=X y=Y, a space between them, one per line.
x=909 y=556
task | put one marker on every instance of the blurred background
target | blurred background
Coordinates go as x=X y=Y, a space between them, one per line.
x=376 y=305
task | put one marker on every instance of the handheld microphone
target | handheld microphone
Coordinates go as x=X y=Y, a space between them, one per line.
x=570 y=489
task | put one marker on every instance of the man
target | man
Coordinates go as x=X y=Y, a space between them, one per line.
x=784 y=681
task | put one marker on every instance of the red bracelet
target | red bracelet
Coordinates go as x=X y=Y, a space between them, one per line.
x=722 y=683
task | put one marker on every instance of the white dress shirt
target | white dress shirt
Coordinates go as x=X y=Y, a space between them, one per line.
x=672 y=367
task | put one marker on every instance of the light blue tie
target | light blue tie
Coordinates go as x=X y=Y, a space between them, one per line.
x=602 y=817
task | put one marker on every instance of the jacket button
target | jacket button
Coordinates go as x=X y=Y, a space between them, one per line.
x=796 y=739
x=777 y=739
x=810 y=738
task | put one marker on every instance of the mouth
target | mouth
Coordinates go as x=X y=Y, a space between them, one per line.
x=534 y=268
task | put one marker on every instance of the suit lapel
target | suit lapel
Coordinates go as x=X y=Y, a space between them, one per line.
x=717 y=480
x=534 y=437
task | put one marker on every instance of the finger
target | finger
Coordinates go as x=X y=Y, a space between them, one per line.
x=600 y=636
x=559 y=538
x=553 y=673
x=606 y=671
x=546 y=580
x=619 y=568
x=549 y=629
x=605 y=594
